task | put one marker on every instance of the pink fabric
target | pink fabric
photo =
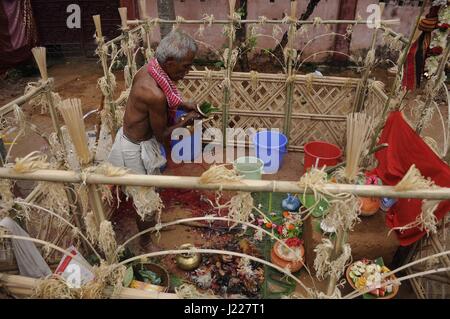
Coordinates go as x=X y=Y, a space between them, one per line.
x=171 y=92
x=17 y=32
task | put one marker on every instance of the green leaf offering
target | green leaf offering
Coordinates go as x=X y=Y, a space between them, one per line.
x=206 y=108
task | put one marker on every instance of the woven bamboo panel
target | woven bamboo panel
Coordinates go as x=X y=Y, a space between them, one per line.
x=318 y=112
x=374 y=102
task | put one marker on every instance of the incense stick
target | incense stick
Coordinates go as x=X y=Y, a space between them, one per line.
x=73 y=118
x=39 y=54
x=358 y=131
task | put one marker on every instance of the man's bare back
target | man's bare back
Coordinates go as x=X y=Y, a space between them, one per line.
x=144 y=99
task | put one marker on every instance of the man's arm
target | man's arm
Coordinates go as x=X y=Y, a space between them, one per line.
x=158 y=121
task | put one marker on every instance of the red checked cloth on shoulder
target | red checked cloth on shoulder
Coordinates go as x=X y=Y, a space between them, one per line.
x=171 y=92
x=407 y=148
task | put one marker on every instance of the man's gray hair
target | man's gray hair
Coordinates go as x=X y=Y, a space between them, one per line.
x=177 y=44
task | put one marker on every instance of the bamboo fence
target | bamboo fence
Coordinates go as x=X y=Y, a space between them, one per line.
x=304 y=108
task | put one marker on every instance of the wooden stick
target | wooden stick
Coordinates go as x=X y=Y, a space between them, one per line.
x=98 y=26
x=25 y=286
x=182 y=182
x=431 y=95
x=362 y=88
x=9 y=107
x=258 y=21
x=290 y=71
x=398 y=79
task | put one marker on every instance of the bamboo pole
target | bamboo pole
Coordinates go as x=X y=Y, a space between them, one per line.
x=290 y=71
x=398 y=79
x=260 y=21
x=182 y=182
x=25 y=286
x=229 y=71
x=362 y=88
x=109 y=98
x=337 y=251
x=9 y=107
x=440 y=73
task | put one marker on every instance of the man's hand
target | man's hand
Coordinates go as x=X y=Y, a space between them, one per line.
x=190 y=106
x=190 y=118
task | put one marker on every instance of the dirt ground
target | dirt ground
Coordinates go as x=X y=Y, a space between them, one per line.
x=78 y=78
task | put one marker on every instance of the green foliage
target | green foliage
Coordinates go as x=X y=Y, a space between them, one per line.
x=207 y=108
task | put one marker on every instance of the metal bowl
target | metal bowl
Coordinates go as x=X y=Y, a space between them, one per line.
x=188 y=261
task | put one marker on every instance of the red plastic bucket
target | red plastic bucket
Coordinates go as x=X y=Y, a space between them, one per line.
x=319 y=154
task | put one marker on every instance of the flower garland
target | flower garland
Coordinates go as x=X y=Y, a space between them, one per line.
x=438 y=39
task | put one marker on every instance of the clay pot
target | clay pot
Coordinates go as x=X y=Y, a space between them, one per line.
x=369 y=205
x=280 y=256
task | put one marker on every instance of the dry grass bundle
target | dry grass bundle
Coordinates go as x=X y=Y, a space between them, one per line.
x=343 y=214
x=240 y=208
x=187 y=291
x=359 y=128
x=55 y=198
x=218 y=174
x=324 y=266
x=123 y=18
x=30 y=163
x=39 y=54
x=54 y=287
x=7 y=197
x=107 y=84
x=73 y=118
x=92 y=230
x=412 y=180
x=98 y=26
x=107 y=241
x=57 y=149
x=147 y=202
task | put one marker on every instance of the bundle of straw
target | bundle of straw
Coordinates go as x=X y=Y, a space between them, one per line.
x=39 y=54
x=98 y=26
x=359 y=128
x=73 y=118
x=123 y=17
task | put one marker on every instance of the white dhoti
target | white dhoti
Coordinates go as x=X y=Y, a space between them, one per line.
x=141 y=158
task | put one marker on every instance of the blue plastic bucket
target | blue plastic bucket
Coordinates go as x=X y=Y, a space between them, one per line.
x=193 y=144
x=270 y=146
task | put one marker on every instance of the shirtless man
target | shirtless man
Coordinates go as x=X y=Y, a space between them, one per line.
x=150 y=112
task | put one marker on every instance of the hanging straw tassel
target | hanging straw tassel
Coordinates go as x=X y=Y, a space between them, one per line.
x=98 y=26
x=143 y=9
x=218 y=174
x=123 y=18
x=39 y=54
x=412 y=180
x=73 y=118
